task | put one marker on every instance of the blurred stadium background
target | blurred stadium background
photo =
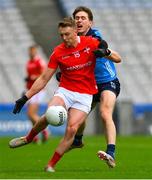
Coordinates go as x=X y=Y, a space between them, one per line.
x=125 y=24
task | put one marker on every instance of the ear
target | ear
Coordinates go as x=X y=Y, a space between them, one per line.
x=91 y=23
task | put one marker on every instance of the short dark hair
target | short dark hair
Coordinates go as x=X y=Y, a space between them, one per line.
x=85 y=9
x=67 y=22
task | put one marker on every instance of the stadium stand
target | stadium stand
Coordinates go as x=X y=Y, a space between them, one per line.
x=126 y=25
x=15 y=38
x=41 y=18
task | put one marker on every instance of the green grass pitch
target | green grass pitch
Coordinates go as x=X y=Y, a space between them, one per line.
x=133 y=157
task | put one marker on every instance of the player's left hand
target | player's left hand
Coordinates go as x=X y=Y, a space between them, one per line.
x=26 y=79
x=58 y=76
x=19 y=104
x=102 y=53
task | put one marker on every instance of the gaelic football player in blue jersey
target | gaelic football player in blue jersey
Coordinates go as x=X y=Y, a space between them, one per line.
x=108 y=86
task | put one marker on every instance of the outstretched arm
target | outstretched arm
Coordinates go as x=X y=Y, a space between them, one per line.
x=41 y=82
x=114 y=56
x=38 y=85
x=104 y=51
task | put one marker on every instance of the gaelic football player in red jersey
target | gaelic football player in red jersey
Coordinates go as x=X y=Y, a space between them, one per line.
x=35 y=66
x=76 y=59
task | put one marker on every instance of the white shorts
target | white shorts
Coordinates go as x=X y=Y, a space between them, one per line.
x=75 y=100
x=37 y=98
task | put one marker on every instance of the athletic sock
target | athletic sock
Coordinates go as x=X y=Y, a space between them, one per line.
x=55 y=158
x=77 y=140
x=111 y=150
x=31 y=135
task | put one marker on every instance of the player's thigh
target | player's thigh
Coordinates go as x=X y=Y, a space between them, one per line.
x=76 y=117
x=56 y=101
x=107 y=100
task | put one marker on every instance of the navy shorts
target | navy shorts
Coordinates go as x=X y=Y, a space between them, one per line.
x=113 y=86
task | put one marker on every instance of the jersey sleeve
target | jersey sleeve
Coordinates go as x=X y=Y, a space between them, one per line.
x=96 y=34
x=96 y=44
x=53 y=62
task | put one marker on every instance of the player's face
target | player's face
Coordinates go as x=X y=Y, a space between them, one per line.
x=83 y=23
x=69 y=36
x=32 y=52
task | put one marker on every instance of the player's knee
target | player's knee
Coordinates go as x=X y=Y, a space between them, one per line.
x=71 y=130
x=105 y=114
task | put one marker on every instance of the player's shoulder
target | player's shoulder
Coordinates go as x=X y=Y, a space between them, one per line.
x=94 y=33
x=94 y=30
x=58 y=50
x=85 y=38
x=38 y=59
x=88 y=39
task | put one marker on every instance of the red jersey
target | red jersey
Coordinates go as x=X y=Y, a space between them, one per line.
x=34 y=68
x=77 y=65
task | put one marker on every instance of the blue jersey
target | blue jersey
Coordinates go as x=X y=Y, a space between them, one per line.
x=105 y=70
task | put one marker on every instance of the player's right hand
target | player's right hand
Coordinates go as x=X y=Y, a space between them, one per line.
x=19 y=104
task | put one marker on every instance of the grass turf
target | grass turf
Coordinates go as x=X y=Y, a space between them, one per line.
x=133 y=156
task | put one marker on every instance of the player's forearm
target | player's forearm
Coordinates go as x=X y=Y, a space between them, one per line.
x=114 y=56
x=38 y=85
x=41 y=82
